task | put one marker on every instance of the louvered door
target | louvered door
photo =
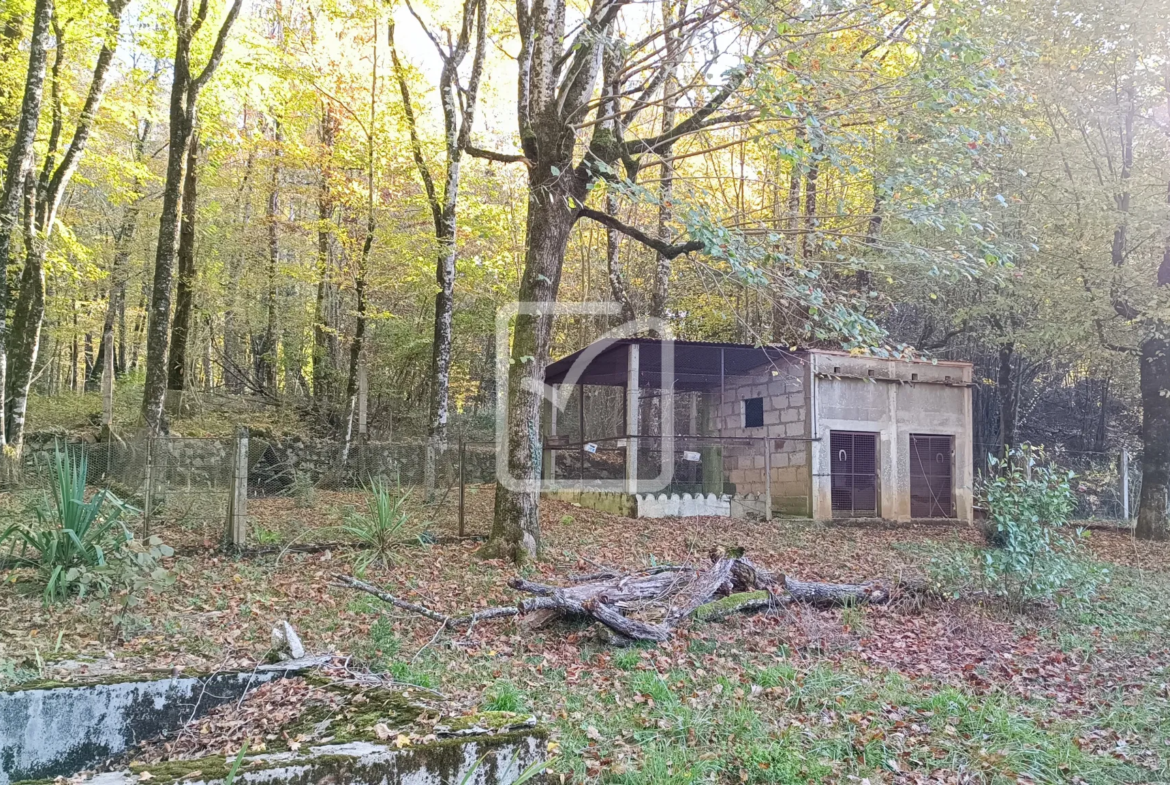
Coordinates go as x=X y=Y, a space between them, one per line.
x=854 y=474
x=931 y=478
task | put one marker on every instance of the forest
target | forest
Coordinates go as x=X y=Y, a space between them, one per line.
x=277 y=202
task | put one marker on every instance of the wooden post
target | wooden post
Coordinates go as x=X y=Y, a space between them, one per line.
x=1124 y=484
x=462 y=480
x=767 y=479
x=237 y=519
x=632 y=405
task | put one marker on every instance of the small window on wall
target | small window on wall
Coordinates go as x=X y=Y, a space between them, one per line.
x=753 y=413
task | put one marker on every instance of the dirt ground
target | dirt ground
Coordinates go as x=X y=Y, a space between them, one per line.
x=1084 y=682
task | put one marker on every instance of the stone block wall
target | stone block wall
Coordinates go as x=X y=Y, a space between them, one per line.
x=783 y=388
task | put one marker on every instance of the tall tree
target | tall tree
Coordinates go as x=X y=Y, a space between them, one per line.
x=185 y=89
x=357 y=344
x=20 y=160
x=23 y=342
x=324 y=333
x=556 y=82
x=123 y=245
x=185 y=283
x=459 y=104
x=266 y=348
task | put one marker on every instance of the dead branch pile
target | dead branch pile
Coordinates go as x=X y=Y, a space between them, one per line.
x=648 y=605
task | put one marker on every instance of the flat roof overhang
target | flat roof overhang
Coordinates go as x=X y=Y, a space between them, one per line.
x=698 y=365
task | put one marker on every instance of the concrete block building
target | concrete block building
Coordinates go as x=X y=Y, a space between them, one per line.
x=740 y=429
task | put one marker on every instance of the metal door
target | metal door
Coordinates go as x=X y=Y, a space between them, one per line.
x=931 y=481
x=854 y=474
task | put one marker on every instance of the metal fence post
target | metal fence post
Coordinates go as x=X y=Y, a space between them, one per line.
x=1124 y=484
x=462 y=478
x=767 y=479
x=237 y=518
x=148 y=493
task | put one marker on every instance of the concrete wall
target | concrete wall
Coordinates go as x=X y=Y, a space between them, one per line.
x=893 y=399
x=475 y=760
x=784 y=389
x=613 y=502
x=58 y=731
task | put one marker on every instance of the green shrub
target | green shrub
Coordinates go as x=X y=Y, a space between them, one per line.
x=383 y=530
x=1031 y=556
x=79 y=545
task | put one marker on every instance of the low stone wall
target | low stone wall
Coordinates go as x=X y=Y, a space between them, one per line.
x=57 y=731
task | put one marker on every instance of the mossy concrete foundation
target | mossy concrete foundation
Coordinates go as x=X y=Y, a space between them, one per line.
x=48 y=731
x=484 y=760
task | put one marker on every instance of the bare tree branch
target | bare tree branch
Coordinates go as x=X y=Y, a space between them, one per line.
x=218 y=49
x=664 y=248
x=492 y=155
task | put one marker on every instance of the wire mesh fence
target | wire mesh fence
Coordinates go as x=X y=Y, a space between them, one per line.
x=1106 y=484
x=749 y=471
x=177 y=487
x=298 y=489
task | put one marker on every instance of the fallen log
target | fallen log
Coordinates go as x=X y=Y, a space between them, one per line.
x=734 y=603
x=648 y=605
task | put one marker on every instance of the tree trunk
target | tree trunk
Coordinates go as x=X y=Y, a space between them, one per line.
x=441 y=342
x=324 y=334
x=666 y=186
x=116 y=301
x=781 y=332
x=20 y=158
x=184 y=94
x=233 y=343
x=356 y=345
x=808 y=241
x=516 y=526
x=359 y=328
x=25 y=339
x=11 y=36
x=158 y=324
x=613 y=263
x=1155 y=387
x=1155 y=495
x=185 y=285
x=266 y=355
x=28 y=314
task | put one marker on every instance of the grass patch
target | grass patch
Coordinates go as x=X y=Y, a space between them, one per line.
x=505 y=696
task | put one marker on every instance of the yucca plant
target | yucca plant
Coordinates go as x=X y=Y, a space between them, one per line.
x=74 y=534
x=382 y=531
